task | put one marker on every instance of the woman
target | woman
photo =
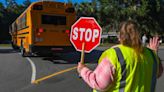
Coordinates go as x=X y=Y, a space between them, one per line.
x=127 y=67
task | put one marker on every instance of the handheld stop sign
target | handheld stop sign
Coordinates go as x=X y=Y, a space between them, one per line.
x=85 y=35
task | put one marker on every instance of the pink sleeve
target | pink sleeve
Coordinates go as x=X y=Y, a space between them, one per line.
x=101 y=77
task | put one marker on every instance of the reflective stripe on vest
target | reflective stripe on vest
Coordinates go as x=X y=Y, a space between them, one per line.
x=123 y=69
x=153 y=81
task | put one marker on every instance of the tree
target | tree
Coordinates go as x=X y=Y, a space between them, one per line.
x=109 y=14
x=112 y=12
x=87 y=9
x=10 y=13
x=1 y=10
x=12 y=6
x=26 y=3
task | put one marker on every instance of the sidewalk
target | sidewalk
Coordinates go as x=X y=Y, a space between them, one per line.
x=161 y=47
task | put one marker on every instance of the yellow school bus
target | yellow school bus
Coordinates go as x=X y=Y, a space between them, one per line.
x=43 y=27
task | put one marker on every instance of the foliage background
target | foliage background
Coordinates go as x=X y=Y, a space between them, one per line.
x=8 y=13
x=149 y=14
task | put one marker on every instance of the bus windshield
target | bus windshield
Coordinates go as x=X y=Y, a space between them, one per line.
x=54 y=19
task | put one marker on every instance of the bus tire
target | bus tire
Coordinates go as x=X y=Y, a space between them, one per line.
x=14 y=46
x=23 y=52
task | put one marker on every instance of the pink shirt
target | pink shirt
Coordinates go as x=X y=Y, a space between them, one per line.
x=101 y=77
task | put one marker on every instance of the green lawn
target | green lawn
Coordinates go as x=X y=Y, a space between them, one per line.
x=5 y=45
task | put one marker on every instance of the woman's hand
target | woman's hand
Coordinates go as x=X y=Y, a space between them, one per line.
x=154 y=43
x=80 y=67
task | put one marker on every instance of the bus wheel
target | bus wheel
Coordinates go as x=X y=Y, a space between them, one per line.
x=23 y=51
x=14 y=46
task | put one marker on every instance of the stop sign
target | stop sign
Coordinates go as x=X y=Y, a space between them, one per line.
x=85 y=30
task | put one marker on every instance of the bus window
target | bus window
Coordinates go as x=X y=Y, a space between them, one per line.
x=53 y=19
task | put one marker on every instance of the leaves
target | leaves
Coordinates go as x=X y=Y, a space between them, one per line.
x=1 y=10
x=109 y=13
x=26 y=3
x=8 y=13
x=149 y=14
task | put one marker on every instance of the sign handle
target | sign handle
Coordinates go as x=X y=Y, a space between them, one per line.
x=82 y=53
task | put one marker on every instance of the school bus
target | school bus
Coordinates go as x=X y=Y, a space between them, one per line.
x=43 y=27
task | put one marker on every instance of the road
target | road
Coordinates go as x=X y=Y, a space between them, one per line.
x=17 y=73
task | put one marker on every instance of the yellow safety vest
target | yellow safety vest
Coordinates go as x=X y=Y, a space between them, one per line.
x=132 y=74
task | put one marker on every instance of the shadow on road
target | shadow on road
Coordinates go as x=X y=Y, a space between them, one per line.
x=74 y=57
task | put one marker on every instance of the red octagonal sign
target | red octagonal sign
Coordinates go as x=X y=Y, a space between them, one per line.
x=85 y=30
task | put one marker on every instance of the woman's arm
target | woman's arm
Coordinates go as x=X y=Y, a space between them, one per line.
x=154 y=45
x=101 y=77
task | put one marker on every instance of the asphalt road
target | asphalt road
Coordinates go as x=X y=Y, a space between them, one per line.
x=17 y=73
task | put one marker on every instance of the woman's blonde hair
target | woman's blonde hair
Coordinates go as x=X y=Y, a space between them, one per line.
x=129 y=35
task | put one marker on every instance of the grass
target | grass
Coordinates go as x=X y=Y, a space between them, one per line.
x=5 y=45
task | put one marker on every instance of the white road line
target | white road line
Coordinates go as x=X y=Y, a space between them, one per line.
x=33 y=70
